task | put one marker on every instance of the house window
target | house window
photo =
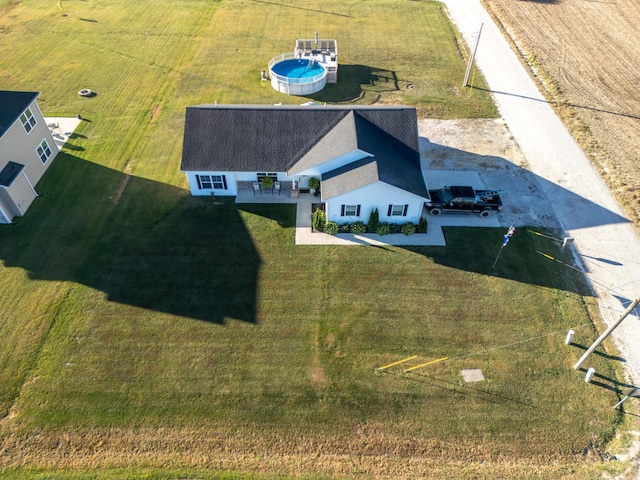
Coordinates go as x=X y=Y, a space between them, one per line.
x=273 y=175
x=43 y=151
x=219 y=182
x=28 y=120
x=350 y=210
x=397 y=210
x=204 y=182
x=209 y=182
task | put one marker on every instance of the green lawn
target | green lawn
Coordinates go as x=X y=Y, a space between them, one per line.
x=144 y=329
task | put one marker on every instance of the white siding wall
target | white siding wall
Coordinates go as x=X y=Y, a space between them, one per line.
x=232 y=179
x=377 y=195
x=3 y=217
x=195 y=191
x=18 y=146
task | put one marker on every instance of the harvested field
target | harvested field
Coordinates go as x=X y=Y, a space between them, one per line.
x=584 y=53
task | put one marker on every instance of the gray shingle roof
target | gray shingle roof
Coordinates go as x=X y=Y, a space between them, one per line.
x=349 y=177
x=341 y=139
x=280 y=138
x=252 y=138
x=393 y=162
x=12 y=104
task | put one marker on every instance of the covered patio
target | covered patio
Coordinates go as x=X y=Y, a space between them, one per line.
x=249 y=193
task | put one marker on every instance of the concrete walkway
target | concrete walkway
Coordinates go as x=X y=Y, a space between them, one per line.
x=433 y=238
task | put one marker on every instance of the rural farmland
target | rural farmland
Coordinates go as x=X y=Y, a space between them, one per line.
x=584 y=55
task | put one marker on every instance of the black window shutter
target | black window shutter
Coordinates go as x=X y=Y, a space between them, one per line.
x=358 y=211
x=342 y=211
x=224 y=182
x=198 y=180
x=404 y=210
x=389 y=210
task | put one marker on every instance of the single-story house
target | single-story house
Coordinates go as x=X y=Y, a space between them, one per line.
x=365 y=157
x=27 y=148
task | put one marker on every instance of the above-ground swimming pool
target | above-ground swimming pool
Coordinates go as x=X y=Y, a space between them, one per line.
x=297 y=76
x=297 y=68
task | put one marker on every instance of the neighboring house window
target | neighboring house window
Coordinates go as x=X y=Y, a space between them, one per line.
x=397 y=210
x=209 y=182
x=43 y=151
x=350 y=211
x=28 y=120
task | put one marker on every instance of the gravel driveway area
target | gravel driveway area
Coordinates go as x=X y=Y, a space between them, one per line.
x=483 y=154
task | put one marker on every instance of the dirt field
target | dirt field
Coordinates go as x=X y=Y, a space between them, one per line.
x=584 y=52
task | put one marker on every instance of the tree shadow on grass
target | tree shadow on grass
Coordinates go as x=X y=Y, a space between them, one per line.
x=149 y=245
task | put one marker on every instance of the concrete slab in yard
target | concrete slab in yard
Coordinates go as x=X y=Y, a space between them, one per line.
x=472 y=375
x=62 y=128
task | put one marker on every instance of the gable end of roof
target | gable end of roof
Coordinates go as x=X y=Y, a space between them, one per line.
x=13 y=104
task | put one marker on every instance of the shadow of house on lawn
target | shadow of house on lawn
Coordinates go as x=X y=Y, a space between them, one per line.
x=150 y=245
x=284 y=217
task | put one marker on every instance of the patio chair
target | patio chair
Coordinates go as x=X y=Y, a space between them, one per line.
x=276 y=187
x=256 y=188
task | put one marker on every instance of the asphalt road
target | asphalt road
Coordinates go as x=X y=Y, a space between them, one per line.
x=606 y=243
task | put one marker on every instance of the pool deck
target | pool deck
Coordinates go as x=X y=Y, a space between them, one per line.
x=324 y=51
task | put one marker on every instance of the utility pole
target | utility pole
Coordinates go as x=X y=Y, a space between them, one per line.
x=465 y=82
x=605 y=334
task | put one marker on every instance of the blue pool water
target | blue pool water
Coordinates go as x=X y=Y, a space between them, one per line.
x=295 y=68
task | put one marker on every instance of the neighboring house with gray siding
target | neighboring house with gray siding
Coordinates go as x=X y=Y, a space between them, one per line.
x=27 y=149
x=366 y=157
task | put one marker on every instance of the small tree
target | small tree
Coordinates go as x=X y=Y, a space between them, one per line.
x=422 y=225
x=318 y=220
x=314 y=183
x=374 y=221
x=267 y=182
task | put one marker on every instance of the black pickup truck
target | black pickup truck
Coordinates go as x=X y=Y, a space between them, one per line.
x=457 y=199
